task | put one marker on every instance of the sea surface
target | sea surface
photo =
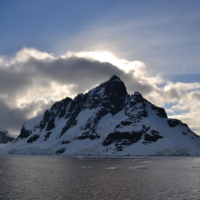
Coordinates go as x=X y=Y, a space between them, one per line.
x=55 y=178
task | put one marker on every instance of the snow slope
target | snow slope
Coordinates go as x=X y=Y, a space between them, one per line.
x=105 y=121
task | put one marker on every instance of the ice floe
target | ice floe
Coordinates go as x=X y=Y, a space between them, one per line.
x=147 y=161
x=111 y=168
x=26 y=174
x=138 y=167
x=84 y=167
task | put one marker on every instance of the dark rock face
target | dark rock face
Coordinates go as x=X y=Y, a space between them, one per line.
x=114 y=96
x=75 y=108
x=65 y=142
x=57 y=110
x=5 y=137
x=122 y=138
x=47 y=136
x=135 y=103
x=33 y=138
x=85 y=136
x=173 y=122
x=159 y=111
x=61 y=150
x=152 y=138
x=24 y=133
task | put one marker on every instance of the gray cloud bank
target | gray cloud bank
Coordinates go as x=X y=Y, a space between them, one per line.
x=32 y=80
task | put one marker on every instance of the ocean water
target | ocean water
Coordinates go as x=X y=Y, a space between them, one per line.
x=54 y=177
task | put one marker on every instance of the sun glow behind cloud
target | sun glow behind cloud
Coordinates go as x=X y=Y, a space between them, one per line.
x=136 y=67
x=125 y=65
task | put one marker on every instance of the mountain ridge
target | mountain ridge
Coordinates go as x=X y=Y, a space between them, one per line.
x=106 y=121
x=5 y=136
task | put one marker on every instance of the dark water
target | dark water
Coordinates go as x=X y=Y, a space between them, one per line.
x=49 y=177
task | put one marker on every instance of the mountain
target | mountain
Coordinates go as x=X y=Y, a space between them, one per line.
x=105 y=121
x=5 y=136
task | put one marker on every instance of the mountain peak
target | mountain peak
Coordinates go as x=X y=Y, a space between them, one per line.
x=137 y=93
x=110 y=94
x=114 y=77
x=115 y=88
x=111 y=86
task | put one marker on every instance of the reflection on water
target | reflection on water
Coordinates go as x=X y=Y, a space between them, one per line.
x=50 y=177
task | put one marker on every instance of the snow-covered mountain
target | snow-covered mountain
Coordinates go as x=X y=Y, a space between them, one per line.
x=5 y=136
x=105 y=121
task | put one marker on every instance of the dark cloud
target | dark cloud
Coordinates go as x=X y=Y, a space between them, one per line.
x=14 y=118
x=82 y=72
x=85 y=73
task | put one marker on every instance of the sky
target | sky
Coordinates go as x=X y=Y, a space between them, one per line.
x=51 y=49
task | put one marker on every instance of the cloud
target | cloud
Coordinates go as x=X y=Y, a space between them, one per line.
x=32 y=80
